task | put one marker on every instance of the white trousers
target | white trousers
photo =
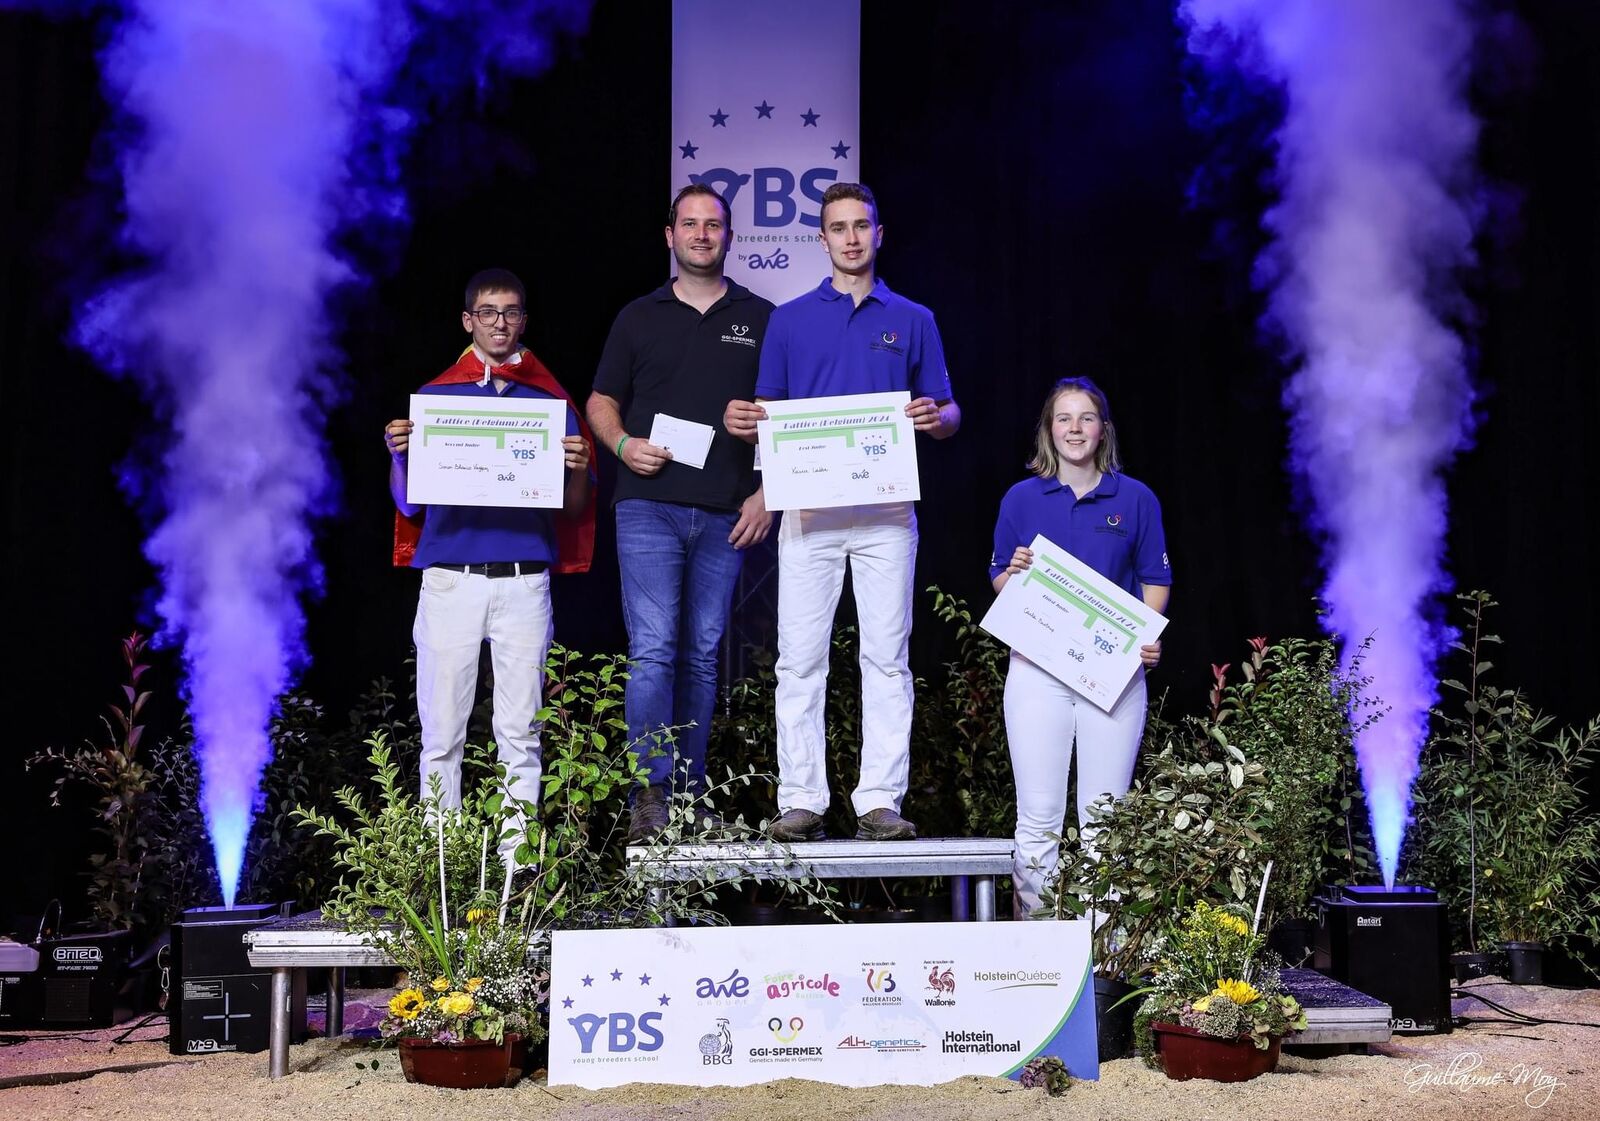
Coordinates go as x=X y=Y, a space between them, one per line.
x=880 y=545
x=456 y=613
x=1043 y=719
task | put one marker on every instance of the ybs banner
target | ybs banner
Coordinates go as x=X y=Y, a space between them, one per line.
x=766 y=110
x=919 y=1003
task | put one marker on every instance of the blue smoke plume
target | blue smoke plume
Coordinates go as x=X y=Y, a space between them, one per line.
x=1374 y=222
x=255 y=138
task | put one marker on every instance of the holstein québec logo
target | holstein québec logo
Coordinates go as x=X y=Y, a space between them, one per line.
x=941 y=983
x=741 y=335
x=881 y=984
x=1018 y=978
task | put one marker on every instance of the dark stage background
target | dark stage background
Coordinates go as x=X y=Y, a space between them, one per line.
x=1032 y=168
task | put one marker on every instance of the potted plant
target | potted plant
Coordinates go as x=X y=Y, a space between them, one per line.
x=1504 y=829
x=1215 y=1007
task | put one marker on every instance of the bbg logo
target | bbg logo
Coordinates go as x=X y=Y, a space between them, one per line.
x=716 y=1048
x=624 y=1031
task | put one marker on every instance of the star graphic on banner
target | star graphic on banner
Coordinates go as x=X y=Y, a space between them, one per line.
x=664 y=1000
x=688 y=149
x=764 y=110
x=719 y=119
x=809 y=118
x=616 y=974
x=588 y=982
x=567 y=1003
x=841 y=150
x=644 y=978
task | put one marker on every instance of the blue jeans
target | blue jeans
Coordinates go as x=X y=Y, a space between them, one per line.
x=678 y=574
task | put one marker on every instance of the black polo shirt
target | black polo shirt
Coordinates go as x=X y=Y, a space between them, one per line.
x=663 y=356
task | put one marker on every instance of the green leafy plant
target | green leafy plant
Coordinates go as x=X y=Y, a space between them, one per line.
x=1212 y=972
x=1504 y=830
x=1296 y=712
x=153 y=860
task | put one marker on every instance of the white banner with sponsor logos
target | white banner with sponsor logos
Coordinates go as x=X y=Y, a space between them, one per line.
x=766 y=109
x=859 y=1005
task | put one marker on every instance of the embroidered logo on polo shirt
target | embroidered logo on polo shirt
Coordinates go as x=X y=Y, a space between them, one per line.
x=741 y=335
x=888 y=340
x=1113 y=519
x=1113 y=525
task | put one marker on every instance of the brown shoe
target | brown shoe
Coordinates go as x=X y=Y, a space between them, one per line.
x=797 y=825
x=649 y=815
x=884 y=825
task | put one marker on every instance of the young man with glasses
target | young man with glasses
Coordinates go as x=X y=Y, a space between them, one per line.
x=486 y=570
x=682 y=352
x=848 y=335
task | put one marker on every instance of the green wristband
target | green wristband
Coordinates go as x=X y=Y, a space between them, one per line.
x=620 y=442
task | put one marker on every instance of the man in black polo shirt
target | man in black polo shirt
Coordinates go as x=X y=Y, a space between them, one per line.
x=680 y=354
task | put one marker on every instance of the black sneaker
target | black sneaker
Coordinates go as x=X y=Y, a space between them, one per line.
x=796 y=825
x=649 y=816
x=884 y=825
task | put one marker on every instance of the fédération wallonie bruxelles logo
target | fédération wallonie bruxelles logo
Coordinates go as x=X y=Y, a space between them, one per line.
x=881 y=985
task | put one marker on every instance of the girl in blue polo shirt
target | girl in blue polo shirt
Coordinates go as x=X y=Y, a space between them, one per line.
x=1079 y=499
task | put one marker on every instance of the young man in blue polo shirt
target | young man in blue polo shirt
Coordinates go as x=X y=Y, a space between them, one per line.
x=848 y=335
x=683 y=351
x=486 y=570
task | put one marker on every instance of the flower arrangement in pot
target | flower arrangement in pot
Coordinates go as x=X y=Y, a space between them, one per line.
x=1215 y=1007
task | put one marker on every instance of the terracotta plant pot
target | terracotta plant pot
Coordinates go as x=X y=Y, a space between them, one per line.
x=474 y=1065
x=1187 y=1053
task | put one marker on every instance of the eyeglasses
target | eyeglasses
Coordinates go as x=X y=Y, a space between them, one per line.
x=487 y=315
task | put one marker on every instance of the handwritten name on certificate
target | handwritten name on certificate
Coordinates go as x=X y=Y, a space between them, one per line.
x=858 y=450
x=1074 y=624
x=486 y=451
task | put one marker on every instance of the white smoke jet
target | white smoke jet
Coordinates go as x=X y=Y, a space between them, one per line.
x=1375 y=219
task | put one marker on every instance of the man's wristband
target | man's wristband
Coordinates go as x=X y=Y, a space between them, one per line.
x=621 y=442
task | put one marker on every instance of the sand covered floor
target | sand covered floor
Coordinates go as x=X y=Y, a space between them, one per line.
x=1486 y=1070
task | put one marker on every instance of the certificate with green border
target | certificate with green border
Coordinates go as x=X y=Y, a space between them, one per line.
x=483 y=451
x=857 y=450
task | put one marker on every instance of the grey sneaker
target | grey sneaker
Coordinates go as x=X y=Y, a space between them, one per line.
x=884 y=825
x=649 y=816
x=796 y=825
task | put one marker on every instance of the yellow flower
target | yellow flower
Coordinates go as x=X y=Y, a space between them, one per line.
x=1233 y=923
x=1240 y=992
x=477 y=914
x=456 y=1004
x=440 y=984
x=407 y=1003
x=474 y=983
x=1203 y=1004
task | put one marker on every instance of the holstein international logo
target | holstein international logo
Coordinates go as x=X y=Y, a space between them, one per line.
x=881 y=984
x=975 y=1043
x=941 y=983
x=786 y=1032
x=716 y=1048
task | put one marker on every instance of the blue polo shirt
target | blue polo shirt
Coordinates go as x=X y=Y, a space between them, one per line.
x=1114 y=529
x=822 y=344
x=488 y=534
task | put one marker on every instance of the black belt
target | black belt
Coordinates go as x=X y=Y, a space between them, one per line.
x=496 y=570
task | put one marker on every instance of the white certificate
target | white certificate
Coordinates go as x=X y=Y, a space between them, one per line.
x=858 y=450
x=688 y=441
x=486 y=451
x=1073 y=623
